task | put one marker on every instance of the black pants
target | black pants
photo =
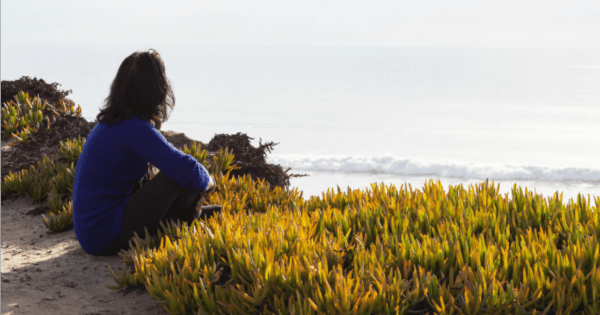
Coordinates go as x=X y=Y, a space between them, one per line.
x=159 y=199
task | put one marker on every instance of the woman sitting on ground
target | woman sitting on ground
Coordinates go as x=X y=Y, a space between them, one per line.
x=106 y=208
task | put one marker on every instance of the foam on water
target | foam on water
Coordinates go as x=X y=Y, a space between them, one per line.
x=412 y=167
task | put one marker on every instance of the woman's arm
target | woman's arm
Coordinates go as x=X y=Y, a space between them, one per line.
x=143 y=140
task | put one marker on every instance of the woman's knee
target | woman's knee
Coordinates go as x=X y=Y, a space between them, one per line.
x=188 y=198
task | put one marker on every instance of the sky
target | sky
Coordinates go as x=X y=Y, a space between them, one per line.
x=462 y=23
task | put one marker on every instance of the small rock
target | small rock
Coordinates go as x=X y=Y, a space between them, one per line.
x=5 y=280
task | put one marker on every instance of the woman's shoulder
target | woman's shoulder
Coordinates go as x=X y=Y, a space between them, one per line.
x=138 y=120
x=130 y=122
x=123 y=120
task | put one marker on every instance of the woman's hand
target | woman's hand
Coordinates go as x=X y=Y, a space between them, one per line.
x=211 y=184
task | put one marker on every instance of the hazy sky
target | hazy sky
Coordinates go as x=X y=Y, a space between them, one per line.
x=515 y=23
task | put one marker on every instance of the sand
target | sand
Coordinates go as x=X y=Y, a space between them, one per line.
x=45 y=273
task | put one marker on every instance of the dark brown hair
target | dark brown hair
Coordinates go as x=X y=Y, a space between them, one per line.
x=141 y=88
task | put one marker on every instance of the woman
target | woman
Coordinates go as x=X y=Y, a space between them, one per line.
x=106 y=210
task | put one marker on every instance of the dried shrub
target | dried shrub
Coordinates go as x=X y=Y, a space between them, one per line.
x=34 y=87
x=252 y=160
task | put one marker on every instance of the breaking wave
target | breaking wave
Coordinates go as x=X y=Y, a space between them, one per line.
x=416 y=167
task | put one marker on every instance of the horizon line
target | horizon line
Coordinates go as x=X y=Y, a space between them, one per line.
x=67 y=41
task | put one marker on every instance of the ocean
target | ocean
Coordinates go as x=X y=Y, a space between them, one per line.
x=350 y=116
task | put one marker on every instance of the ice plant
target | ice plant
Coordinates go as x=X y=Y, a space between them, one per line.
x=380 y=250
x=71 y=150
x=23 y=116
x=49 y=180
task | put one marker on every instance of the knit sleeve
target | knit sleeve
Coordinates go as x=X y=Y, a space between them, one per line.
x=145 y=141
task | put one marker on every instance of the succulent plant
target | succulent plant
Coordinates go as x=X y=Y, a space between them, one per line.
x=372 y=251
x=23 y=117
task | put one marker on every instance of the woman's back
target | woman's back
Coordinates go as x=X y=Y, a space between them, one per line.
x=112 y=160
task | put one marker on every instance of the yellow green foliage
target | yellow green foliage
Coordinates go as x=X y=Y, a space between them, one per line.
x=377 y=251
x=23 y=116
x=67 y=106
x=60 y=220
x=196 y=151
x=38 y=181
x=71 y=150
x=49 y=181
x=222 y=162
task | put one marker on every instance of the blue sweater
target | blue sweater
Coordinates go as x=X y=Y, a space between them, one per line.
x=112 y=160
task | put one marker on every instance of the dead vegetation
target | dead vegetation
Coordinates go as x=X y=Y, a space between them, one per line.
x=253 y=161
x=34 y=87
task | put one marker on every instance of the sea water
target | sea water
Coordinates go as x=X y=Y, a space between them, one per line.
x=350 y=116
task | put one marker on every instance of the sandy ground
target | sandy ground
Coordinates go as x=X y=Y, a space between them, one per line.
x=46 y=273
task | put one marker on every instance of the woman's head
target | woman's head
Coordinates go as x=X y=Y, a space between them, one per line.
x=141 y=88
